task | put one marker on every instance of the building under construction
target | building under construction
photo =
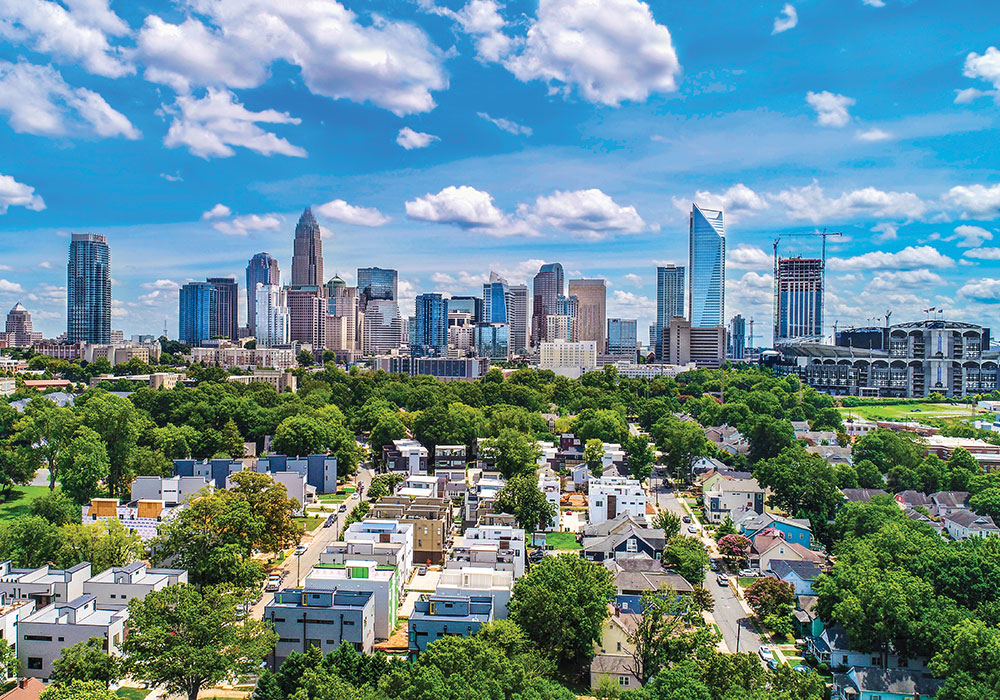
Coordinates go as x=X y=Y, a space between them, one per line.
x=798 y=289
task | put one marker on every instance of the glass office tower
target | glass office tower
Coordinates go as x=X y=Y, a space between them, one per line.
x=376 y=283
x=707 y=267
x=88 y=289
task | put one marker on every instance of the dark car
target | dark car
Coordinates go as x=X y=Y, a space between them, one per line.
x=330 y=521
x=686 y=519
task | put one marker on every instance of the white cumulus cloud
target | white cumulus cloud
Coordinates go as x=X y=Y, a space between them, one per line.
x=219 y=211
x=983 y=253
x=211 y=125
x=507 y=125
x=893 y=281
x=8 y=287
x=873 y=135
x=588 y=213
x=985 y=290
x=970 y=236
x=339 y=210
x=886 y=231
x=410 y=139
x=162 y=285
x=467 y=208
x=975 y=201
x=243 y=225
x=17 y=194
x=909 y=258
x=748 y=257
x=811 y=203
x=984 y=67
x=831 y=109
x=481 y=19
x=737 y=201
x=786 y=19
x=36 y=100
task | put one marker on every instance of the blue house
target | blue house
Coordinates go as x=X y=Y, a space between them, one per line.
x=304 y=617
x=876 y=684
x=437 y=616
x=793 y=529
x=320 y=470
x=801 y=574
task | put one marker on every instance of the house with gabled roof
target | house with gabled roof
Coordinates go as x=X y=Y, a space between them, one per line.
x=879 y=684
x=800 y=574
x=770 y=545
x=795 y=530
x=964 y=525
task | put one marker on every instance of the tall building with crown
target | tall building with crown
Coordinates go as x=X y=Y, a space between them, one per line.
x=307 y=252
x=19 y=331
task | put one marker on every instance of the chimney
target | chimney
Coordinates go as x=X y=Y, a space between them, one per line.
x=22 y=683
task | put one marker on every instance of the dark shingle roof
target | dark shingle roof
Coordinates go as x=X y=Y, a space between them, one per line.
x=805 y=570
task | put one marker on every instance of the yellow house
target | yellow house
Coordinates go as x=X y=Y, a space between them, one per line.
x=613 y=653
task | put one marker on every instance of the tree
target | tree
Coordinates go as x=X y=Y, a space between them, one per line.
x=512 y=453
x=30 y=541
x=869 y=477
x=48 y=429
x=231 y=441
x=768 y=436
x=639 y=457
x=147 y=461
x=175 y=441
x=116 y=421
x=561 y=604
x=665 y=633
x=801 y=483
x=305 y=358
x=522 y=498
x=593 y=455
x=270 y=501
x=686 y=556
x=735 y=548
x=186 y=639
x=78 y=690
x=388 y=428
x=962 y=469
x=683 y=442
x=57 y=508
x=669 y=523
x=986 y=502
x=83 y=465
x=9 y=665
x=726 y=527
x=770 y=596
x=970 y=663
x=300 y=435
x=887 y=448
x=86 y=661
x=606 y=425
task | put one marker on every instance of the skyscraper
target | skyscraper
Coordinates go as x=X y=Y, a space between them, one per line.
x=622 y=336
x=567 y=306
x=376 y=283
x=273 y=323
x=262 y=269
x=307 y=314
x=737 y=337
x=470 y=305
x=383 y=327
x=495 y=300
x=707 y=268
x=669 y=299
x=88 y=289
x=19 y=331
x=342 y=318
x=591 y=315
x=517 y=317
x=194 y=312
x=798 y=289
x=430 y=332
x=546 y=288
x=307 y=252
x=225 y=308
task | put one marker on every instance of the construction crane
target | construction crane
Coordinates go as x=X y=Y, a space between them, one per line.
x=825 y=234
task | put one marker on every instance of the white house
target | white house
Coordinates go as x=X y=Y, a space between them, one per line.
x=169 y=489
x=479 y=581
x=115 y=587
x=499 y=547
x=550 y=485
x=611 y=496
x=363 y=576
x=386 y=542
x=726 y=492
x=964 y=524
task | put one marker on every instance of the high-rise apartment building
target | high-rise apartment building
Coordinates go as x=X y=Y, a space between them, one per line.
x=622 y=336
x=567 y=306
x=383 y=327
x=225 y=308
x=88 y=289
x=343 y=320
x=307 y=314
x=707 y=267
x=307 y=252
x=273 y=322
x=492 y=340
x=430 y=327
x=196 y=301
x=737 y=337
x=560 y=327
x=19 y=330
x=262 y=269
x=376 y=283
x=669 y=299
x=798 y=289
x=546 y=288
x=470 y=305
x=591 y=315
x=517 y=315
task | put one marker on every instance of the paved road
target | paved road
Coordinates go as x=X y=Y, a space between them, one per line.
x=736 y=628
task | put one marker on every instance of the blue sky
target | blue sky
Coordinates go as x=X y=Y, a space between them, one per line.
x=446 y=138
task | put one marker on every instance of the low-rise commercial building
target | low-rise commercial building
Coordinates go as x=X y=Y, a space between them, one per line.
x=279 y=379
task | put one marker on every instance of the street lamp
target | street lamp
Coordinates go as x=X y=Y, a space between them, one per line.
x=298 y=567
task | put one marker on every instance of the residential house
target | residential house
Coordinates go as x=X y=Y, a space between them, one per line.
x=609 y=497
x=496 y=547
x=172 y=490
x=437 y=616
x=366 y=576
x=631 y=541
x=861 y=495
x=452 y=482
x=794 y=530
x=705 y=467
x=144 y=517
x=806 y=618
x=876 y=684
x=407 y=456
x=431 y=520
x=726 y=491
x=833 y=453
x=947 y=502
x=304 y=617
x=801 y=574
x=728 y=439
x=833 y=647
x=770 y=545
x=479 y=498
x=43 y=585
x=550 y=485
x=475 y=581
x=613 y=653
x=115 y=587
x=419 y=486
x=912 y=499
x=47 y=631
x=386 y=542
x=964 y=524
x=449 y=457
x=642 y=574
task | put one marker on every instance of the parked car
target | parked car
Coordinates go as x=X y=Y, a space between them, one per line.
x=722 y=580
x=692 y=529
x=765 y=652
x=300 y=550
x=343 y=508
x=800 y=668
x=686 y=518
x=773 y=664
x=330 y=521
x=273 y=583
x=421 y=570
x=749 y=572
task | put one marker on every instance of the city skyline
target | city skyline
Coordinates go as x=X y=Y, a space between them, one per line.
x=442 y=182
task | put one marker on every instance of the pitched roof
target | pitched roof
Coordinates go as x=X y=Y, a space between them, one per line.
x=971 y=521
x=756 y=522
x=805 y=570
x=617 y=664
x=611 y=526
x=900 y=681
x=913 y=498
x=861 y=495
x=653 y=538
x=763 y=543
x=950 y=499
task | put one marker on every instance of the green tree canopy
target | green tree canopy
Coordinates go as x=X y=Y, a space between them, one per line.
x=686 y=556
x=522 y=498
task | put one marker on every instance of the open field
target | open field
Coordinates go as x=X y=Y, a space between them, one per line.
x=311 y=523
x=19 y=500
x=562 y=540
x=909 y=411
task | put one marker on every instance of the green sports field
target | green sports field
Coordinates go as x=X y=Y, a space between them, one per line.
x=910 y=411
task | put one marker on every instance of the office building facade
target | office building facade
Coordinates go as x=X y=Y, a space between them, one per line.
x=88 y=289
x=591 y=314
x=383 y=327
x=622 y=336
x=343 y=320
x=19 y=329
x=225 y=308
x=798 y=289
x=376 y=283
x=496 y=302
x=470 y=305
x=492 y=340
x=707 y=267
x=194 y=313
x=518 y=317
x=669 y=298
x=683 y=344
x=307 y=252
x=737 y=337
x=430 y=327
x=307 y=315
x=560 y=327
x=262 y=269
x=546 y=288
x=272 y=323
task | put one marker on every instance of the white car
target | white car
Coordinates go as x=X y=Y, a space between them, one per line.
x=765 y=652
x=300 y=550
x=692 y=529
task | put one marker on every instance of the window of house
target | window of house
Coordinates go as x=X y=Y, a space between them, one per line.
x=35 y=663
x=619 y=646
x=622 y=680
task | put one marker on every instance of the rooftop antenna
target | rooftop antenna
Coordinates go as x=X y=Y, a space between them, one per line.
x=888 y=313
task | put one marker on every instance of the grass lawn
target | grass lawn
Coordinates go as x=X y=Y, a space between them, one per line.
x=562 y=540
x=746 y=580
x=311 y=523
x=19 y=500
x=131 y=693
x=908 y=411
